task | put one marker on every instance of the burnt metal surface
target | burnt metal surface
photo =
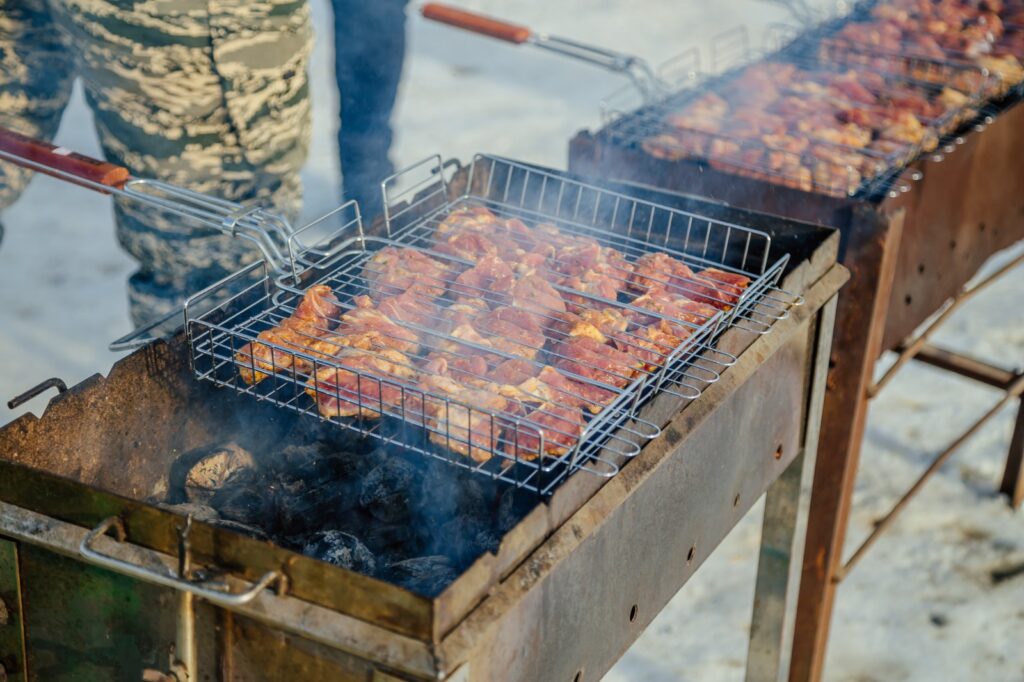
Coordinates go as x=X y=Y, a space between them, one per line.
x=12 y=624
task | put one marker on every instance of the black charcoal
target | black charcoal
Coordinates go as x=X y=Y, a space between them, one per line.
x=427 y=575
x=385 y=490
x=247 y=498
x=341 y=549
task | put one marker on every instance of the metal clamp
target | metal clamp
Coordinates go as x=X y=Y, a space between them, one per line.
x=212 y=595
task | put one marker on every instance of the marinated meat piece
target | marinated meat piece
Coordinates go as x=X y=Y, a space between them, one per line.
x=393 y=271
x=659 y=270
x=653 y=344
x=467 y=245
x=313 y=318
x=536 y=296
x=464 y=419
x=513 y=331
x=674 y=308
x=491 y=279
x=363 y=384
x=513 y=371
x=551 y=427
x=367 y=318
x=590 y=359
x=478 y=218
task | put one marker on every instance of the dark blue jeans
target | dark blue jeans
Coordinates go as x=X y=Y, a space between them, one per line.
x=369 y=48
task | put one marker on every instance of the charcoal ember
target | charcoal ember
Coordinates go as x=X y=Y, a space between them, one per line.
x=387 y=536
x=248 y=498
x=427 y=575
x=303 y=506
x=199 y=473
x=341 y=549
x=385 y=491
x=465 y=538
x=303 y=462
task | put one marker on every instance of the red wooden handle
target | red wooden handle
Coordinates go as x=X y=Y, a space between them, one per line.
x=58 y=159
x=477 y=23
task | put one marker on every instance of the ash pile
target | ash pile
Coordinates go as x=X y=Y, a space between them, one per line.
x=350 y=501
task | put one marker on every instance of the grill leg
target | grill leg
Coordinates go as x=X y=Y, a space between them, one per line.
x=1013 y=476
x=782 y=535
x=870 y=254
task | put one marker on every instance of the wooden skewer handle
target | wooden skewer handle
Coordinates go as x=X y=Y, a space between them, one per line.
x=60 y=160
x=477 y=23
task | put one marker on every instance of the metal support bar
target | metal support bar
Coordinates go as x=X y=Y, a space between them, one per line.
x=1013 y=476
x=1013 y=393
x=782 y=537
x=914 y=347
x=967 y=367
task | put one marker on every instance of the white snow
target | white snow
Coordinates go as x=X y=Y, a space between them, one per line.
x=62 y=300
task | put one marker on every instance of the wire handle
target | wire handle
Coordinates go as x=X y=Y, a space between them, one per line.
x=266 y=230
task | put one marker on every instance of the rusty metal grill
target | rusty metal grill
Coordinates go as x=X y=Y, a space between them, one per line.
x=535 y=451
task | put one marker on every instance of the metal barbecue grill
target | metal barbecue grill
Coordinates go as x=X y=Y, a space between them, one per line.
x=614 y=431
x=824 y=167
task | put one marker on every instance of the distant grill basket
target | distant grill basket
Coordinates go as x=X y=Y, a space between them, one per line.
x=508 y=431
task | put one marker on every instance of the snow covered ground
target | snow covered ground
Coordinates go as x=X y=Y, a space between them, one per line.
x=926 y=604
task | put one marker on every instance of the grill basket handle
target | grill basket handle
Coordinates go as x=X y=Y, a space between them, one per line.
x=476 y=23
x=61 y=162
x=214 y=596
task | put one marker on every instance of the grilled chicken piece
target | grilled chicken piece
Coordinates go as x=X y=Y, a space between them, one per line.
x=513 y=371
x=557 y=426
x=393 y=271
x=468 y=245
x=313 y=318
x=362 y=385
x=593 y=360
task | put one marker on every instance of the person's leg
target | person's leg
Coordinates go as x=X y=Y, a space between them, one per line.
x=369 y=49
x=36 y=73
x=212 y=96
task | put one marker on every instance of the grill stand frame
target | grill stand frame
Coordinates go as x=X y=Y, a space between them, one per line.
x=967 y=197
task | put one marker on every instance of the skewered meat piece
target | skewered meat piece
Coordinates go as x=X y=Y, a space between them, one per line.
x=393 y=271
x=593 y=360
x=313 y=318
x=362 y=385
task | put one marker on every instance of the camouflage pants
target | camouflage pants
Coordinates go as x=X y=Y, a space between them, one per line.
x=207 y=94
